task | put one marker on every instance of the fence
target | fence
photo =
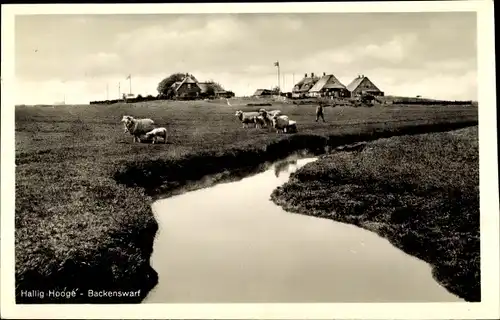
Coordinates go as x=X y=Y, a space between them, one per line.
x=140 y=98
x=431 y=102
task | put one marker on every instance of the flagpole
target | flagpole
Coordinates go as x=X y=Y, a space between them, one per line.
x=119 y=91
x=283 y=80
x=130 y=78
x=279 y=84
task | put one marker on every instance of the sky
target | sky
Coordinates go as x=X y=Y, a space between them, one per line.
x=80 y=58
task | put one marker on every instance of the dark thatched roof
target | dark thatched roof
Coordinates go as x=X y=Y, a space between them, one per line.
x=260 y=92
x=327 y=82
x=306 y=84
x=357 y=82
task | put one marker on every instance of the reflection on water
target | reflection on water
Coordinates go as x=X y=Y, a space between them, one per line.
x=285 y=166
x=230 y=243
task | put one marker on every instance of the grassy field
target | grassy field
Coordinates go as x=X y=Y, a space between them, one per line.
x=421 y=192
x=83 y=189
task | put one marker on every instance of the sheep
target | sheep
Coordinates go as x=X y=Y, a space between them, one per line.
x=280 y=122
x=125 y=120
x=273 y=113
x=137 y=127
x=260 y=121
x=156 y=133
x=292 y=127
x=246 y=118
x=267 y=115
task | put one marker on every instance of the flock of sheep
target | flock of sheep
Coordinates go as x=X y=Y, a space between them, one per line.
x=147 y=130
x=271 y=119
x=144 y=127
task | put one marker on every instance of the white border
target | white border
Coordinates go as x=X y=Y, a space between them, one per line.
x=489 y=203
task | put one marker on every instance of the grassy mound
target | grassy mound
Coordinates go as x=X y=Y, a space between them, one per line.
x=421 y=192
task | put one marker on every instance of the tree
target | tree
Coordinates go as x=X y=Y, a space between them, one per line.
x=164 y=87
x=215 y=85
x=212 y=88
x=210 y=91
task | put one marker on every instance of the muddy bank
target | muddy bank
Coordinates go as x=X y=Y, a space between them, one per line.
x=419 y=192
x=166 y=177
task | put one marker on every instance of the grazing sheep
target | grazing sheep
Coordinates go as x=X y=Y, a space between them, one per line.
x=280 y=123
x=246 y=118
x=267 y=115
x=125 y=120
x=157 y=133
x=138 y=127
x=271 y=113
x=260 y=121
x=292 y=127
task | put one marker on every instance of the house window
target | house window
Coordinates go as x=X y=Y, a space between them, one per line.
x=189 y=85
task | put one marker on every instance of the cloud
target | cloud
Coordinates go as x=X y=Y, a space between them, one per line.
x=349 y=60
x=394 y=50
x=452 y=65
x=99 y=63
x=462 y=87
x=180 y=36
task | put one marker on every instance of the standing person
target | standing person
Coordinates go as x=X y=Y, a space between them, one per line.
x=319 y=112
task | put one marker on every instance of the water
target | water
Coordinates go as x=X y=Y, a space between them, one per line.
x=230 y=243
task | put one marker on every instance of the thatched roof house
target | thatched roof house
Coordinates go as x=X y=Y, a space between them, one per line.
x=175 y=84
x=329 y=85
x=187 y=88
x=362 y=84
x=262 y=92
x=302 y=87
x=191 y=88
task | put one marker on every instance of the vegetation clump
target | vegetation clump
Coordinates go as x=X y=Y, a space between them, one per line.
x=421 y=192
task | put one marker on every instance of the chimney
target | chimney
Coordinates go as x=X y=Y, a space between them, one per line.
x=324 y=74
x=312 y=74
x=305 y=75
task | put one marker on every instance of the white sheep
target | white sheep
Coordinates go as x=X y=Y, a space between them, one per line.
x=246 y=118
x=157 y=133
x=137 y=127
x=280 y=123
x=125 y=120
x=273 y=113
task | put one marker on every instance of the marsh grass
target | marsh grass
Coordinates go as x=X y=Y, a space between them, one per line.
x=83 y=189
x=421 y=192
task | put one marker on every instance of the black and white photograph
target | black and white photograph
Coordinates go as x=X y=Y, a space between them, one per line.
x=165 y=160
